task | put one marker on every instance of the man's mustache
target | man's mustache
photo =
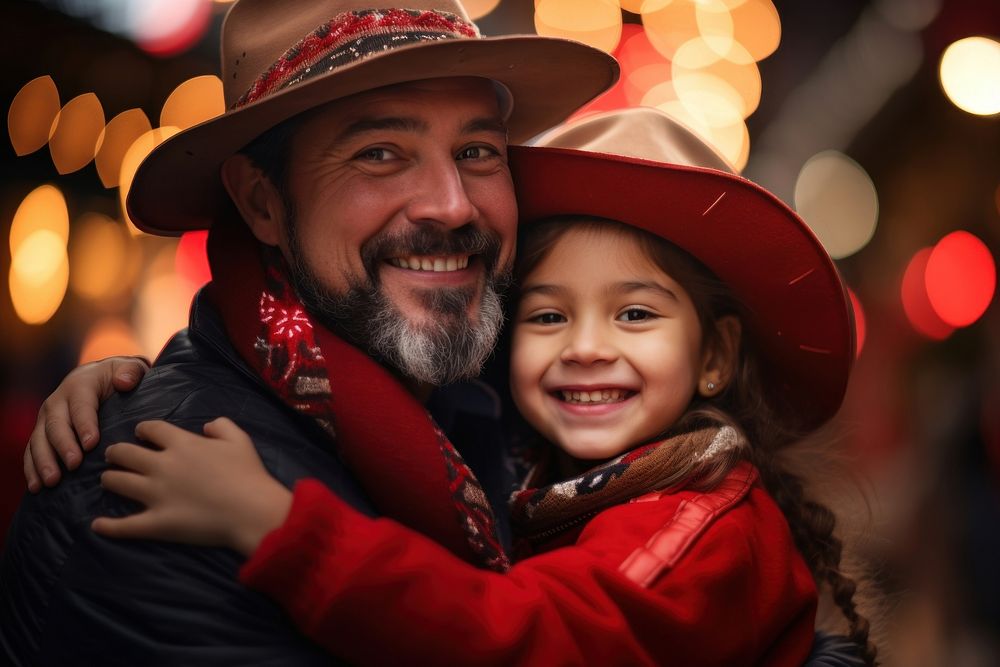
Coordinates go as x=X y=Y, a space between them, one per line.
x=465 y=240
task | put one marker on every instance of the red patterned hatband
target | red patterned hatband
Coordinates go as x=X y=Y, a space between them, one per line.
x=352 y=36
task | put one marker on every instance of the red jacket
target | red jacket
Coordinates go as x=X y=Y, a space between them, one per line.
x=682 y=578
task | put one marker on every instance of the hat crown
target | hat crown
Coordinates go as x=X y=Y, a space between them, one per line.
x=641 y=132
x=257 y=33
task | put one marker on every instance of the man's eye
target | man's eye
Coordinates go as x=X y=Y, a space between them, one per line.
x=476 y=153
x=636 y=315
x=376 y=154
x=547 y=318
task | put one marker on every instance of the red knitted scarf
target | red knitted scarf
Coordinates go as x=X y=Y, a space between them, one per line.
x=407 y=466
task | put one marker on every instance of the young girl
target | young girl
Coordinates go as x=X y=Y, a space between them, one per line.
x=675 y=328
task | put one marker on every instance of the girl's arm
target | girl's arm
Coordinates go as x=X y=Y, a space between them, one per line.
x=375 y=592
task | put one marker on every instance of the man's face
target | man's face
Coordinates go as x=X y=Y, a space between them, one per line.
x=403 y=222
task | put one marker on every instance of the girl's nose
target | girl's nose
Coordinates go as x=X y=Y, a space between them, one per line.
x=589 y=344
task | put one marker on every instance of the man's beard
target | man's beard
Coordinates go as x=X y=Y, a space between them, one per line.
x=448 y=344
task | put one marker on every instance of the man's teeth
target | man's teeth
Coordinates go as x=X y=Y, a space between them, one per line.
x=597 y=396
x=423 y=263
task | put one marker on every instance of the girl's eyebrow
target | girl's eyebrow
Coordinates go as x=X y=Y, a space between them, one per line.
x=643 y=286
x=544 y=289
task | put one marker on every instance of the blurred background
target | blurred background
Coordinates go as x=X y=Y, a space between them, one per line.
x=877 y=120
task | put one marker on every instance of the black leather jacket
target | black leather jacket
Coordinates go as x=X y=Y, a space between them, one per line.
x=69 y=596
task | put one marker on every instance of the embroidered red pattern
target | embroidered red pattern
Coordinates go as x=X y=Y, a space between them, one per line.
x=327 y=38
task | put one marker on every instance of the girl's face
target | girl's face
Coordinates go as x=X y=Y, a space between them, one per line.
x=607 y=348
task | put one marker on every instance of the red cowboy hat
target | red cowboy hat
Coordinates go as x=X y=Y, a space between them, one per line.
x=798 y=310
x=283 y=57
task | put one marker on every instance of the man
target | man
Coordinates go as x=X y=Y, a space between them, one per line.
x=358 y=195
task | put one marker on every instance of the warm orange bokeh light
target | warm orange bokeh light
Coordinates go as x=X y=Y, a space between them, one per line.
x=479 y=8
x=916 y=305
x=78 y=127
x=107 y=338
x=670 y=24
x=594 y=22
x=104 y=260
x=136 y=153
x=961 y=278
x=39 y=273
x=120 y=133
x=31 y=114
x=757 y=27
x=42 y=208
x=697 y=66
x=193 y=102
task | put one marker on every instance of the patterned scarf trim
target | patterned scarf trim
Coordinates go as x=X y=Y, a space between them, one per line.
x=538 y=513
x=406 y=465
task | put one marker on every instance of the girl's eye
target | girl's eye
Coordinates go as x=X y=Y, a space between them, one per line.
x=547 y=318
x=636 y=315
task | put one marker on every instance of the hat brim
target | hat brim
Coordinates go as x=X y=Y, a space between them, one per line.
x=177 y=187
x=798 y=310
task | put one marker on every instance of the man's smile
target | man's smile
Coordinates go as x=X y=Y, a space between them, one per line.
x=435 y=263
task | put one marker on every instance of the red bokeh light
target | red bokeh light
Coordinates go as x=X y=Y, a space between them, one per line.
x=168 y=27
x=859 y=321
x=961 y=278
x=191 y=261
x=917 y=305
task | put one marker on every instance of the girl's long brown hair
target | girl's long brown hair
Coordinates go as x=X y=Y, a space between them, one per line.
x=748 y=404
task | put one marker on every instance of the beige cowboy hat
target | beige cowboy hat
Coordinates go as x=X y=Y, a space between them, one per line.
x=283 y=57
x=641 y=167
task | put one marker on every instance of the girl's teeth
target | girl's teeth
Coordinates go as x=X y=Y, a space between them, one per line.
x=597 y=396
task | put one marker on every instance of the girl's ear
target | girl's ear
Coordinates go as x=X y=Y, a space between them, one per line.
x=720 y=357
x=256 y=198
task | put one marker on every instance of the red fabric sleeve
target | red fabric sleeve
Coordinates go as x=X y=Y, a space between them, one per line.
x=374 y=592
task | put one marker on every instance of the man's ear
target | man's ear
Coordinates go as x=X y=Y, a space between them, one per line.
x=256 y=198
x=720 y=357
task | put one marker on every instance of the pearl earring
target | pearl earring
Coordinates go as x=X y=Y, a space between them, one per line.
x=711 y=386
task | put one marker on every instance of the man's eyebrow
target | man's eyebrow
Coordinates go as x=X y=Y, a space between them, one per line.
x=396 y=123
x=492 y=124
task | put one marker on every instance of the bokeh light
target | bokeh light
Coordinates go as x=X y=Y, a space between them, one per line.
x=168 y=27
x=756 y=27
x=42 y=208
x=39 y=273
x=837 y=199
x=479 y=8
x=194 y=101
x=698 y=67
x=961 y=278
x=163 y=302
x=724 y=129
x=916 y=304
x=32 y=114
x=669 y=24
x=970 y=75
x=107 y=338
x=192 y=258
x=78 y=127
x=594 y=22
x=104 y=262
x=136 y=153
x=120 y=133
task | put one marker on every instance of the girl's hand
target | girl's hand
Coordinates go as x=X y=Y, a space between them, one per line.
x=211 y=491
x=67 y=421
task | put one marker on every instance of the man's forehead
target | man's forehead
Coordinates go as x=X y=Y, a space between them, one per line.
x=424 y=98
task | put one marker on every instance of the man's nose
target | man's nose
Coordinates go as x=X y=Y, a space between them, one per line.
x=588 y=343
x=440 y=196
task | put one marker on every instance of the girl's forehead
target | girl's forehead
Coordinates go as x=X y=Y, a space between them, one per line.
x=598 y=247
